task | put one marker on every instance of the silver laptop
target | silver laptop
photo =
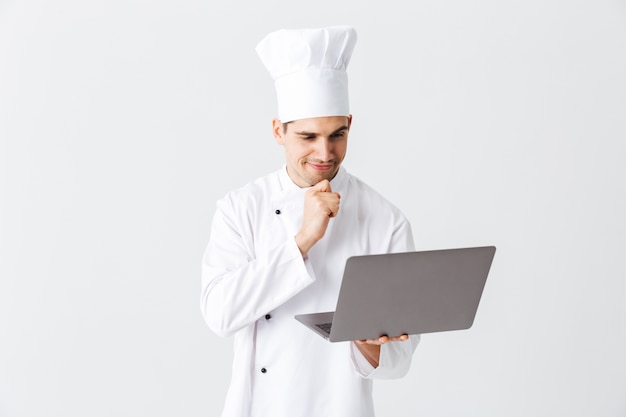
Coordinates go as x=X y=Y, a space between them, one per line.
x=406 y=293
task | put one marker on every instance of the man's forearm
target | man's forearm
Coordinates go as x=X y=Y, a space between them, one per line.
x=369 y=352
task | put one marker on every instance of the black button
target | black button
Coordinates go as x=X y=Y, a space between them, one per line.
x=277 y=211
x=268 y=316
x=263 y=370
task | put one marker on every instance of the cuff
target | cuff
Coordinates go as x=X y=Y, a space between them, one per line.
x=361 y=365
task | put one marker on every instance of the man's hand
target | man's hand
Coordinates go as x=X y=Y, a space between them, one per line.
x=320 y=205
x=370 y=348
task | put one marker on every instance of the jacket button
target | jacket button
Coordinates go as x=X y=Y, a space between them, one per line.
x=277 y=212
x=263 y=370
x=268 y=316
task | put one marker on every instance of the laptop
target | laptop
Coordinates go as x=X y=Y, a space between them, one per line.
x=405 y=293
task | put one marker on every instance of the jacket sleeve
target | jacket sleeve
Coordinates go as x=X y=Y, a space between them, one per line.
x=240 y=286
x=395 y=357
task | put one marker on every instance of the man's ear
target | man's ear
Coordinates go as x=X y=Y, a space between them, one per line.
x=277 y=130
x=349 y=121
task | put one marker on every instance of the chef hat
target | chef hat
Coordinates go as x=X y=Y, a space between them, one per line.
x=309 y=70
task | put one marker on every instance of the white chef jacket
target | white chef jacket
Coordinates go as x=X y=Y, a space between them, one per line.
x=255 y=280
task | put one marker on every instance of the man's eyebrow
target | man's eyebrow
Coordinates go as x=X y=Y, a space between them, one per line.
x=341 y=129
x=305 y=133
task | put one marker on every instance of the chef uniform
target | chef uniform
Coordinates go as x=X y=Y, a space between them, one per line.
x=255 y=279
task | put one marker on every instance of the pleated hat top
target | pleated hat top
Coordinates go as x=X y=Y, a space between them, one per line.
x=308 y=67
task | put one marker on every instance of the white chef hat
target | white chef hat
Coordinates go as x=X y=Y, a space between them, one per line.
x=309 y=70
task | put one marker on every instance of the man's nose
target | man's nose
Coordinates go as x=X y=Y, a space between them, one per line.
x=323 y=149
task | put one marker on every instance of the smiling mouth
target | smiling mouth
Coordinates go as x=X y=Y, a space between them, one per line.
x=321 y=167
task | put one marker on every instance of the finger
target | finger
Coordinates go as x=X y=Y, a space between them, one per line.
x=400 y=338
x=379 y=341
x=333 y=209
x=384 y=339
x=329 y=202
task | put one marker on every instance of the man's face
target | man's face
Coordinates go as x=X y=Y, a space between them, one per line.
x=314 y=148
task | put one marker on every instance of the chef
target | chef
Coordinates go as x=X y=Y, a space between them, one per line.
x=278 y=247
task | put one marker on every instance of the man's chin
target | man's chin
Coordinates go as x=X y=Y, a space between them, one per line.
x=314 y=179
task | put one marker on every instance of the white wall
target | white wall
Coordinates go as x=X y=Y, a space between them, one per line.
x=487 y=122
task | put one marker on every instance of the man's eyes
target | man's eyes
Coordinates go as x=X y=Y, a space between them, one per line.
x=312 y=137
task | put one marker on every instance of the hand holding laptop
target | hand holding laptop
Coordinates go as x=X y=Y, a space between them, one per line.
x=382 y=340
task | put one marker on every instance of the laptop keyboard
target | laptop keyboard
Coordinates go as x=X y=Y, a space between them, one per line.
x=325 y=327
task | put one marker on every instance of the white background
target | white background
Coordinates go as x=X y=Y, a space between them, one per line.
x=486 y=122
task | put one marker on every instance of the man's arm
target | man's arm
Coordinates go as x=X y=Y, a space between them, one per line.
x=320 y=205
x=239 y=285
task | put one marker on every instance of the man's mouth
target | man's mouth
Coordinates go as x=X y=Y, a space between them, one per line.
x=321 y=167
